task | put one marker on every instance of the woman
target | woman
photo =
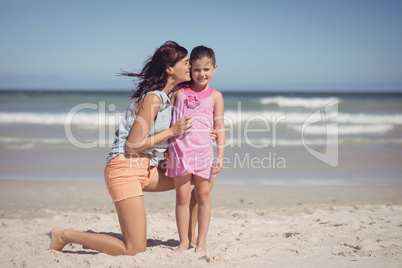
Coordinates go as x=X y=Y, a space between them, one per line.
x=132 y=162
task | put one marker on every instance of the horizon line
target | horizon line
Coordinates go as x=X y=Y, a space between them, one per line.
x=383 y=91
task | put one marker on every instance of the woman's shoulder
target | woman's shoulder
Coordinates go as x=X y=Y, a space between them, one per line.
x=157 y=96
x=152 y=98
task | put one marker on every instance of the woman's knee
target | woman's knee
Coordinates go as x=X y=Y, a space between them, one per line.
x=135 y=250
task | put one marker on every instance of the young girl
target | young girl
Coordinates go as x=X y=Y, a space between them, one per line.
x=191 y=156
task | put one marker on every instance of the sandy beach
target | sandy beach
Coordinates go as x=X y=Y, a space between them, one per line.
x=251 y=226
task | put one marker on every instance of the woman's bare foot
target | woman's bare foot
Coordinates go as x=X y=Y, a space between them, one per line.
x=57 y=242
x=182 y=247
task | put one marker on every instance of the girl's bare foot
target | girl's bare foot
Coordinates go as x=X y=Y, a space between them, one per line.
x=193 y=244
x=193 y=240
x=200 y=248
x=57 y=242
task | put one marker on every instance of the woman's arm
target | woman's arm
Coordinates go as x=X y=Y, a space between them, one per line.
x=174 y=97
x=219 y=126
x=138 y=141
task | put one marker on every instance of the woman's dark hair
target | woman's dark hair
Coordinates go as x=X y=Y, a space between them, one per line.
x=153 y=76
x=200 y=52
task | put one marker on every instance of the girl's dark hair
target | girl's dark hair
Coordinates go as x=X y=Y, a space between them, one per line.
x=200 y=52
x=153 y=76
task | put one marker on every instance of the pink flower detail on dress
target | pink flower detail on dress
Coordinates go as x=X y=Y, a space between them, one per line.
x=193 y=101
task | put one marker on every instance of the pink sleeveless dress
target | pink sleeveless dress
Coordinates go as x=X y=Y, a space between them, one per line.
x=192 y=152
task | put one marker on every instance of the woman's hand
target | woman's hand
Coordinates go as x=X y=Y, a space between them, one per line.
x=213 y=134
x=183 y=125
x=218 y=165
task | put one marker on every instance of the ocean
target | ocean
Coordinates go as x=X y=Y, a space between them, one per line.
x=271 y=138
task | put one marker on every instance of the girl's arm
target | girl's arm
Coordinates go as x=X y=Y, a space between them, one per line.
x=138 y=141
x=219 y=126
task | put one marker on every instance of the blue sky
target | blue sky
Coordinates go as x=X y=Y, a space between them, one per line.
x=260 y=45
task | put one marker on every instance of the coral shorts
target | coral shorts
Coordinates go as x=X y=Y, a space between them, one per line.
x=126 y=175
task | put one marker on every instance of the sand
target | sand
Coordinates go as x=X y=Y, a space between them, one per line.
x=251 y=226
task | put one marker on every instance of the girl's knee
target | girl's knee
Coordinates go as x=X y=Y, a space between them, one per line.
x=183 y=199
x=203 y=197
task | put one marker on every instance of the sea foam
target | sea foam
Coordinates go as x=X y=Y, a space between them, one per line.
x=310 y=103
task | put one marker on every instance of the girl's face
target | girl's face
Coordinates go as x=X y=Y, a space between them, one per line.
x=181 y=71
x=202 y=72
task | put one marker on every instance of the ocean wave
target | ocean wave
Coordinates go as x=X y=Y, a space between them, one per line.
x=265 y=142
x=32 y=118
x=234 y=117
x=43 y=140
x=348 y=123
x=84 y=120
x=344 y=129
x=24 y=143
x=260 y=142
x=362 y=118
x=310 y=103
x=27 y=143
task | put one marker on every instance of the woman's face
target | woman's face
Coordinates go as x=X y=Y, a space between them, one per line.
x=181 y=71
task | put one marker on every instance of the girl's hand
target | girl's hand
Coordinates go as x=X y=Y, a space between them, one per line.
x=218 y=165
x=183 y=125
x=214 y=135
